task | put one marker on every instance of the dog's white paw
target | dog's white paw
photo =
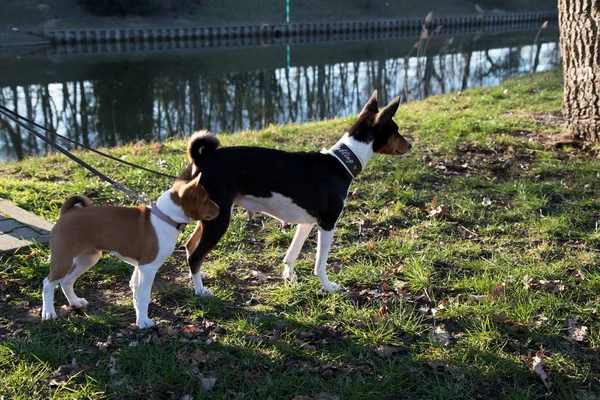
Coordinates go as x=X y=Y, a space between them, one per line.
x=288 y=275
x=46 y=315
x=332 y=287
x=79 y=302
x=204 y=292
x=145 y=323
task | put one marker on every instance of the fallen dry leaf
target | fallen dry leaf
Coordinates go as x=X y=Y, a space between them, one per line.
x=64 y=372
x=439 y=336
x=260 y=276
x=498 y=292
x=103 y=346
x=112 y=366
x=438 y=364
x=486 y=202
x=527 y=282
x=387 y=350
x=437 y=211
x=207 y=383
x=537 y=364
x=551 y=286
x=578 y=334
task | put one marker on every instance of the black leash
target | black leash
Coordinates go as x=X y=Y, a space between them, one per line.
x=12 y=115
x=115 y=184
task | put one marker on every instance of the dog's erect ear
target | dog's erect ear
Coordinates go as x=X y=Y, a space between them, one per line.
x=371 y=105
x=190 y=185
x=388 y=112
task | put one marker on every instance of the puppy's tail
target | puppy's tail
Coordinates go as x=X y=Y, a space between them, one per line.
x=75 y=201
x=200 y=143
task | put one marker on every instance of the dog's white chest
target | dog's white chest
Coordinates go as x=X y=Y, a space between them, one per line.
x=277 y=206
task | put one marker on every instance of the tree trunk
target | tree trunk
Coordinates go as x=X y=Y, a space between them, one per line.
x=580 y=50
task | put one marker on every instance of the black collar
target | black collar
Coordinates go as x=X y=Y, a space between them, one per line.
x=156 y=211
x=347 y=157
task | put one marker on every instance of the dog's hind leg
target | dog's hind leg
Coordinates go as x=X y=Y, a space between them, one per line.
x=324 y=240
x=81 y=264
x=302 y=233
x=210 y=233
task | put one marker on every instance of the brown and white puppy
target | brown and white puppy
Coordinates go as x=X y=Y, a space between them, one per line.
x=141 y=236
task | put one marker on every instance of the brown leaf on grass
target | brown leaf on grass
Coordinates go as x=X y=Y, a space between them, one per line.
x=539 y=321
x=63 y=311
x=504 y=319
x=437 y=211
x=372 y=246
x=156 y=148
x=554 y=286
x=537 y=364
x=387 y=350
x=3 y=283
x=383 y=310
x=498 y=292
x=207 y=383
x=260 y=276
x=103 y=346
x=112 y=364
x=581 y=274
x=438 y=364
x=385 y=287
x=439 y=336
x=29 y=256
x=578 y=334
x=65 y=372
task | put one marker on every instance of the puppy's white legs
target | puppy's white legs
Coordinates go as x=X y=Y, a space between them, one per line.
x=324 y=240
x=134 y=283
x=81 y=264
x=292 y=254
x=198 y=286
x=48 y=300
x=142 y=294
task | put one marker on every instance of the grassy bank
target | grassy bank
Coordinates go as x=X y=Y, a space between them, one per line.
x=460 y=260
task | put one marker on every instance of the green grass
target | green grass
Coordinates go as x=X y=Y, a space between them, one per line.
x=405 y=274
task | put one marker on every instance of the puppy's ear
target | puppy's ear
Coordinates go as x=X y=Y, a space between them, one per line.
x=388 y=112
x=191 y=185
x=371 y=105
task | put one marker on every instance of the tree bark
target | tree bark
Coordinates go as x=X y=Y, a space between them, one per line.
x=580 y=50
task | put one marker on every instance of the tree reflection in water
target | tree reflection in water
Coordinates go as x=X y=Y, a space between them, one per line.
x=157 y=96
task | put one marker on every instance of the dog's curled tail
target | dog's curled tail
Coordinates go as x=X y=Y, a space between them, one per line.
x=75 y=201
x=200 y=143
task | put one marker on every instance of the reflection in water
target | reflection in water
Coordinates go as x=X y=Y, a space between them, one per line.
x=104 y=103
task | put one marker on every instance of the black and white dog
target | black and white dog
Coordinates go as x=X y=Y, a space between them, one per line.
x=304 y=188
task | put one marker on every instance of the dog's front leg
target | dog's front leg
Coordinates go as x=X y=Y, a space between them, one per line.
x=324 y=240
x=146 y=274
x=302 y=233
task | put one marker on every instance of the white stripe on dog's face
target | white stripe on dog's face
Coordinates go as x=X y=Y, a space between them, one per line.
x=278 y=206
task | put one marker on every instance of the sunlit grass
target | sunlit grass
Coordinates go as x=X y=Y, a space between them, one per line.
x=503 y=272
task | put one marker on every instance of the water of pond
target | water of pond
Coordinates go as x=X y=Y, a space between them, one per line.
x=108 y=98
